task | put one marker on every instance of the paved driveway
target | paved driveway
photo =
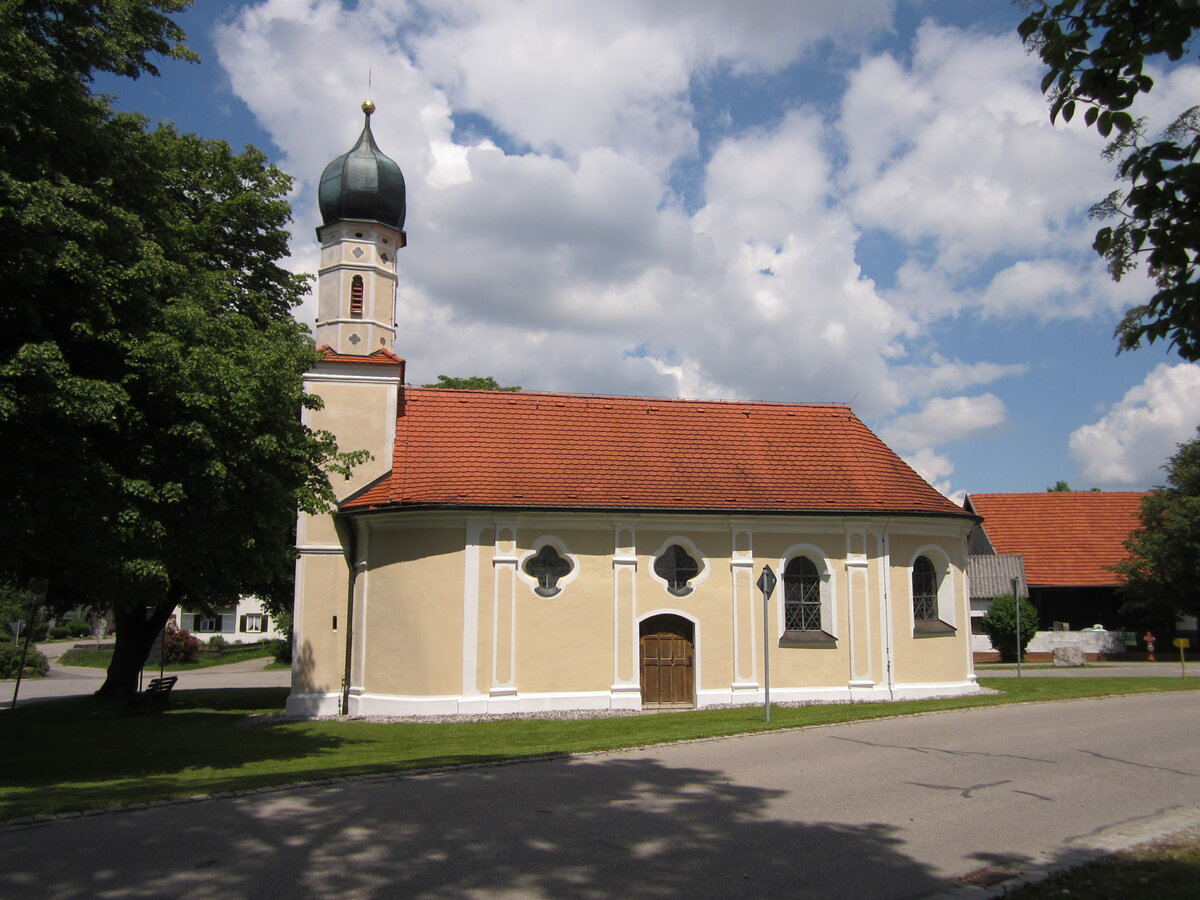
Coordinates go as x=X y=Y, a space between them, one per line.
x=889 y=809
x=1164 y=669
x=74 y=681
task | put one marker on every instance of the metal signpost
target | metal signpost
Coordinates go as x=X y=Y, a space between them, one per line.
x=766 y=583
x=1183 y=644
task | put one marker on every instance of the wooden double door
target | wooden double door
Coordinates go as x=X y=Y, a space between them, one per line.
x=668 y=662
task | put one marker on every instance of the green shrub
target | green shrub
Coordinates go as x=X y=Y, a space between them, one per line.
x=283 y=645
x=217 y=643
x=1000 y=624
x=10 y=661
x=58 y=632
x=78 y=628
x=283 y=650
x=180 y=646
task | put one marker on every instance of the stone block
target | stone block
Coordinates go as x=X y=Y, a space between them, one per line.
x=1068 y=657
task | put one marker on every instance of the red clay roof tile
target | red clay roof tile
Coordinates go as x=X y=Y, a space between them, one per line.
x=382 y=356
x=1066 y=538
x=504 y=449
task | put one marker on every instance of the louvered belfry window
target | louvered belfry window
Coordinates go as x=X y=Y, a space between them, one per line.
x=801 y=596
x=676 y=567
x=356 y=297
x=924 y=588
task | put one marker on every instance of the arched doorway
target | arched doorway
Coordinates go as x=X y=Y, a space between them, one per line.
x=667 y=655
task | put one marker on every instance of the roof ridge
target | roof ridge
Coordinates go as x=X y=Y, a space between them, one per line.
x=631 y=398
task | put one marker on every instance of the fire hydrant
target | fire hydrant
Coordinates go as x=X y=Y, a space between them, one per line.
x=1148 y=637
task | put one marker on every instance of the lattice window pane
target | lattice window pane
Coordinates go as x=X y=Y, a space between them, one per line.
x=676 y=567
x=924 y=587
x=801 y=596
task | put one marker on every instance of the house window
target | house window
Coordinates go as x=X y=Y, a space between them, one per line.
x=252 y=623
x=547 y=566
x=925 y=590
x=677 y=568
x=356 y=297
x=801 y=596
x=208 y=623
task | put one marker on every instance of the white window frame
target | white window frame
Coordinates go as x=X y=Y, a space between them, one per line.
x=561 y=548
x=816 y=556
x=946 y=607
x=693 y=551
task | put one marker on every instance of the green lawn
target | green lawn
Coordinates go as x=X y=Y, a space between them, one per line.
x=85 y=753
x=99 y=659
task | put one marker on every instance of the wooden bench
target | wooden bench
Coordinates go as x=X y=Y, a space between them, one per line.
x=156 y=697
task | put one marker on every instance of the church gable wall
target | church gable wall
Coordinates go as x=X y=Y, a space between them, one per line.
x=411 y=613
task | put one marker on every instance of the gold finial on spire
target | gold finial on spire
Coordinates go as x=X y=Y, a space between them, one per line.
x=368 y=105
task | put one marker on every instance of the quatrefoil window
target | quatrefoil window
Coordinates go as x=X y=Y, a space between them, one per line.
x=677 y=568
x=547 y=566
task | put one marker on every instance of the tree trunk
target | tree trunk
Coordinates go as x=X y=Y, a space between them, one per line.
x=136 y=631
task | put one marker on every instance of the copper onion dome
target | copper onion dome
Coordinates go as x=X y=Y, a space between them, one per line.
x=363 y=183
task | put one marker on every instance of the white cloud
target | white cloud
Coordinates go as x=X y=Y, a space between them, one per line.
x=1129 y=445
x=958 y=150
x=935 y=468
x=941 y=375
x=943 y=420
x=565 y=76
x=547 y=246
x=1048 y=289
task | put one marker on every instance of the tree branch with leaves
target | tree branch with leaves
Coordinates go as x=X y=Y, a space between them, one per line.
x=1095 y=53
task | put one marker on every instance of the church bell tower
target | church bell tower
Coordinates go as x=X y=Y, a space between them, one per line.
x=362 y=202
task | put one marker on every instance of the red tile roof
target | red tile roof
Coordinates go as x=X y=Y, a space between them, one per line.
x=1066 y=538
x=504 y=449
x=379 y=357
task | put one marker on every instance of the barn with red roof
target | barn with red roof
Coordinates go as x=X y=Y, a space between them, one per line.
x=520 y=551
x=1069 y=541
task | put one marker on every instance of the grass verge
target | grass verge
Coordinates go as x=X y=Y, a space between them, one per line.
x=1166 y=869
x=99 y=659
x=86 y=753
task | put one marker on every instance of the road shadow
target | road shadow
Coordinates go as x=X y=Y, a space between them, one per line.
x=613 y=827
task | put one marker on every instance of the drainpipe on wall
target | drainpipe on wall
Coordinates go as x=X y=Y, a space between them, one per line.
x=349 y=534
x=886 y=563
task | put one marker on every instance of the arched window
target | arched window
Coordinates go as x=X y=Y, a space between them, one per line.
x=924 y=590
x=356 y=297
x=676 y=567
x=547 y=566
x=801 y=596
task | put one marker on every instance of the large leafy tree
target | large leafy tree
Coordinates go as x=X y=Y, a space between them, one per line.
x=1095 y=52
x=1162 y=574
x=150 y=370
x=471 y=383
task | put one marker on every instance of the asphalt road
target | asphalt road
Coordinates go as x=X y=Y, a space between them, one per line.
x=888 y=809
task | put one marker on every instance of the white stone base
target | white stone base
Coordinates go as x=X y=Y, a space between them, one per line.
x=306 y=705
x=917 y=691
x=368 y=704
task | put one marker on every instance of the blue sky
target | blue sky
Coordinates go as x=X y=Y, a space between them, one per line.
x=858 y=202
